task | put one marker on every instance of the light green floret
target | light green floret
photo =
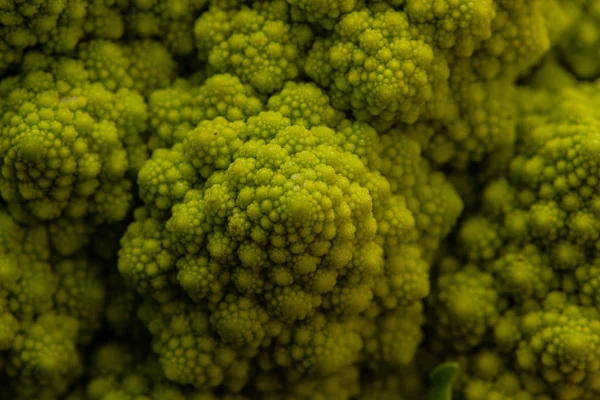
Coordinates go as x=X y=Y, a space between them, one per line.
x=553 y=174
x=396 y=223
x=118 y=373
x=433 y=201
x=305 y=104
x=142 y=66
x=490 y=377
x=466 y=306
x=56 y=26
x=106 y=62
x=145 y=259
x=44 y=358
x=392 y=337
x=319 y=346
x=80 y=293
x=361 y=139
x=375 y=65
x=241 y=322
x=479 y=239
x=524 y=274
x=56 y=158
x=458 y=25
x=294 y=244
x=405 y=279
x=212 y=145
x=275 y=238
x=151 y=66
x=188 y=350
x=177 y=110
x=325 y=13
x=202 y=277
x=519 y=39
x=578 y=41
x=257 y=44
x=170 y=21
x=72 y=130
x=560 y=343
x=166 y=178
x=588 y=283
x=49 y=306
x=214 y=26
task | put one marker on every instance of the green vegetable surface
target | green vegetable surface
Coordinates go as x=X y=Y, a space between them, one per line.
x=299 y=199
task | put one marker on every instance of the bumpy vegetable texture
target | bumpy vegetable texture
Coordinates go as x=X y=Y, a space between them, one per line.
x=299 y=199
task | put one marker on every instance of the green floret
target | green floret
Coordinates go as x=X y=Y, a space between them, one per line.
x=50 y=306
x=275 y=231
x=587 y=281
x=466 y=306
x=102 y=19
x=489 y=377
x=405 y=278
x=304 y=104
x=71 y=130
x=248 y=210
x=44 y=358
x=143 y=259
x=554 y=172
x=458 y=25
x=141 y=65
x=170 y=21
x=361 y=139
x=80 y=293
x=56 y=26
x=559 y=342
x=118 y=373
x=151 y=66
x=212 y=145
x=375 y=65
x=325 y=13
x=166 y=178
x=519 y=39
x=257 y=44
x=176 y=110
x=431 y=199
x=525 y=280
x=575 y=34
x=68 y=236
x=56 y=157
x=396 y=225
x=392 y=337
x=202 y=277
x=241 y=322
x=26 y=292
x=524 y=274
x=448 y=66
x=320 y=346
x=479 y=239
x=187 y=349
x=478 y=119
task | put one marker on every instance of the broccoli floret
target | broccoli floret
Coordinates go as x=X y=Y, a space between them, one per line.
x=257 y=44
